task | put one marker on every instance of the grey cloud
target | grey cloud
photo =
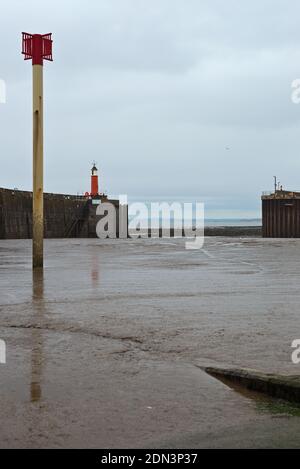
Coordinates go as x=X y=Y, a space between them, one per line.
x=155 y=92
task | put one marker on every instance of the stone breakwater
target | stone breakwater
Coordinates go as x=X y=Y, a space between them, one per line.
x=65 y=216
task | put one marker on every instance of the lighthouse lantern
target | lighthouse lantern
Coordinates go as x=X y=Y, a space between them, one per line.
x=94 y=181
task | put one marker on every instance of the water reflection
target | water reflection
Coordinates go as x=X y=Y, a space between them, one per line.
x=95 y=271
x=37 y=339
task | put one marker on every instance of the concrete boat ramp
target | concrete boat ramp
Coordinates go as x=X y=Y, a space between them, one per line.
x=285 y=387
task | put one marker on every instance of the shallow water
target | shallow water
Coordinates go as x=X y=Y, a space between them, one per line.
x=103 y=348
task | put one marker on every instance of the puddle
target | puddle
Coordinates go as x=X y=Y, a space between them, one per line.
x=278 y=407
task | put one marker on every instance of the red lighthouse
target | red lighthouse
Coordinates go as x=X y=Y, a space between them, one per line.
x=94 y=181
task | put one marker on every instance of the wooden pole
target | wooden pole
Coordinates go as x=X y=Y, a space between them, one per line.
x=38 y=197
x=37 y=47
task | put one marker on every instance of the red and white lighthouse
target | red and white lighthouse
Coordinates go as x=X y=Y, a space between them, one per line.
x=94 y=181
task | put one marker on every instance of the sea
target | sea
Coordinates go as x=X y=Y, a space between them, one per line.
x=214 y=215
x=232 y=222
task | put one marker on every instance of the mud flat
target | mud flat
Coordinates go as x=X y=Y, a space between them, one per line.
x=104 y=348
x=251 y=231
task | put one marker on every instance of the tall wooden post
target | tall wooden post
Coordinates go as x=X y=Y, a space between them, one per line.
x=37 y=47
x=38 y=169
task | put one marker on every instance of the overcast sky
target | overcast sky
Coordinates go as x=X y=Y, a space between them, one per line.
x=172 y=98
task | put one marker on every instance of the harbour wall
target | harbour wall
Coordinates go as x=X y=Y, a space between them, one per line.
x=65 y=216
x=281 y=215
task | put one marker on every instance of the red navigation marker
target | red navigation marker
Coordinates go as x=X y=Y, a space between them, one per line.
x=37 y=47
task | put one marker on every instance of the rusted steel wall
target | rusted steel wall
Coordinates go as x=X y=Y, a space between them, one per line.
x=64 y=215
x=281 y=218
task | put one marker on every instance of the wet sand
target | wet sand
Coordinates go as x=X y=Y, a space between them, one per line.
x=104 y=349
